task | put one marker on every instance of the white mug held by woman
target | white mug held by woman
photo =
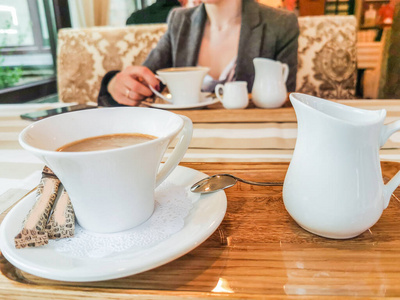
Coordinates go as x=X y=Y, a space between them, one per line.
x=184 y=84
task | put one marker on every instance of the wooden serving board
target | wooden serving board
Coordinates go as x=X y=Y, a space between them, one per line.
x=257 y=252
x=216 y=113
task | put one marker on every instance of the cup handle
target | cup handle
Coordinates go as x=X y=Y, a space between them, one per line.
x=157 y=92
x=218 y=87
x=285 y=72
x=386 y=132
x=184 y=138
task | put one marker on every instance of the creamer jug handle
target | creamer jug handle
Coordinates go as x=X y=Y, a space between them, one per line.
x=184 y=137
x=386 y=132
x=285 y=72
x=217 y=91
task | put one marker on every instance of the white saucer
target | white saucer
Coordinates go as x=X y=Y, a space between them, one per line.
x=204 y=218
x=206 y=100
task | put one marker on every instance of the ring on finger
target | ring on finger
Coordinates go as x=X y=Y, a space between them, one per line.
x=127 y=93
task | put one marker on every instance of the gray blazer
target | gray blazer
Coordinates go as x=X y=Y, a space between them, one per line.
x=265 y=32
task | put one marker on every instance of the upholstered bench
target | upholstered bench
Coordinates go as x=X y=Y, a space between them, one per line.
x=85 y=55
x=327 y=56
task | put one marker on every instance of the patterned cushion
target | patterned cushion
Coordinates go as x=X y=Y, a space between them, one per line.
x=85 y=55
x=327 y=56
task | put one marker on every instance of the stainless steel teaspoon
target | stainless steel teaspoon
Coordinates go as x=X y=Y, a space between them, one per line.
x=222 y=181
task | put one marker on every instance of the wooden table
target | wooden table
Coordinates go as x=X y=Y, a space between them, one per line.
x=259 y=135
x=257 y=252
x=220 y=135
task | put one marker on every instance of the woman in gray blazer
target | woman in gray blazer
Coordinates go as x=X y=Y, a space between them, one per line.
x=224 y=35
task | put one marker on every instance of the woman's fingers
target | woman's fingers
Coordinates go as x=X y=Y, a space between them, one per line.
x=133 y=84
x=127 y=100
x=143 y=74
x=126 y=96
x=130 y=86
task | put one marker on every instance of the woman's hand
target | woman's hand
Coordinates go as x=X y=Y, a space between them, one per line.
x=130 y=86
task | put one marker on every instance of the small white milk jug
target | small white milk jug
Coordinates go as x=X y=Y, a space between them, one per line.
x=269 y=88
x=334 y=186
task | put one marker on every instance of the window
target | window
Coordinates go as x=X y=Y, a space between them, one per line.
x=27 y=48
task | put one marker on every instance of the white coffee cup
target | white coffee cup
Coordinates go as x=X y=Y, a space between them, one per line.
x=235 y=94
x=184 y=84
x=110 y=190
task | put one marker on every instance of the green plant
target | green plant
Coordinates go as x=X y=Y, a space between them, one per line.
x=9 y=76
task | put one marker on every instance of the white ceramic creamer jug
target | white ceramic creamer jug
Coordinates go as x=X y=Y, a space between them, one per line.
x=269 y=88
x=334 y=186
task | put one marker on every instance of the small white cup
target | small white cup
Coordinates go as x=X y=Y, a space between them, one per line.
x=235 y=94
x=110 y=190
x=183 y=83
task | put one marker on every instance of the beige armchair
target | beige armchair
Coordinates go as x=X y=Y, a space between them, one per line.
x=85 y=55
x=327 y=56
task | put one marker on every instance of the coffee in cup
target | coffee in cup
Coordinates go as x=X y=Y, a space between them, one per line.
x=106 y=142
